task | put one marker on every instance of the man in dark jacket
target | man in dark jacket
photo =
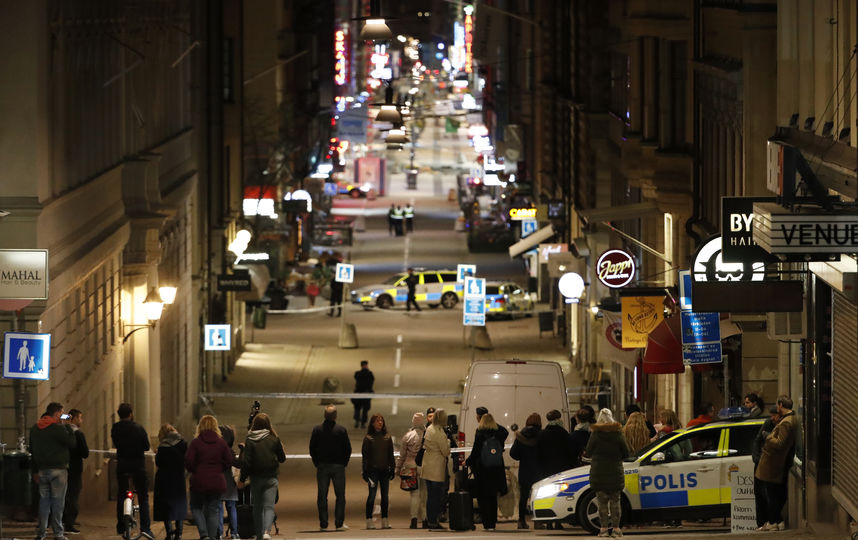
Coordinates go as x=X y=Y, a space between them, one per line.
x=524 y=451
x=554 y=447
x=330 y=450
x=131 y=442
x=411 y=282
x=364 y=380
x=79 y=453
x=51 y=441
x=756 y=452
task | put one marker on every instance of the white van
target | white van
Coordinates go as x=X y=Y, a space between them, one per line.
x=511 y=390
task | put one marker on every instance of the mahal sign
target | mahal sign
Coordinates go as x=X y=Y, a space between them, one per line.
x=615 y=268
x=24 y=274
x=780 y=232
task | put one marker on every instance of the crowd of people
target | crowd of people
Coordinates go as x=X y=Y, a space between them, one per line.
x=218 y=473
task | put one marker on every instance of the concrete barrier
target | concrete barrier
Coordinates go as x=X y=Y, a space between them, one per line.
x=348 y=337
x=480 y=338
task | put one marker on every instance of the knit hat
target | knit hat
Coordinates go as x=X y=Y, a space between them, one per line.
x=418 y=419
x=481 y=411
x=605 y=417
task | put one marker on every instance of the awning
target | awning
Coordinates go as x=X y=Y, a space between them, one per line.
x=619 y=213
x=531 y=241
x=663 y=353
x=259 y=277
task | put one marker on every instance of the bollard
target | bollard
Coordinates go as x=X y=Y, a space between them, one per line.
x=451 y=195
x=480 y=338
x=331 y=385
x=348 y=337
x=360 y=224
x=459 y=225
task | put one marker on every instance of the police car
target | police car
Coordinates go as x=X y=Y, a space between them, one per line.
x=685 y=475
x=505 y=298
x=434 y=287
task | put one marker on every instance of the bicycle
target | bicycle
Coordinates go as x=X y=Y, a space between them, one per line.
x=130 y=515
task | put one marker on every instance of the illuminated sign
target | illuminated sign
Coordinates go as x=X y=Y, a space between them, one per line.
x=469 y=41
x=341 y=65
x=547 y=249
x=709 y=266
x=518 y=214
x=615 y=268
x=780 y=231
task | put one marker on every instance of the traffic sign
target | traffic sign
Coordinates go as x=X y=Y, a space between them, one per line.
x=685 y=290
x=26 y=356
x=474 y=311
x=345 y=273
x=528 y=226
x=701 y=337
x=217 y=337
x=331 y=189
x=464 y=270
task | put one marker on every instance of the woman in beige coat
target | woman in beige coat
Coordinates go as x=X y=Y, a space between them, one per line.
x=436 y=451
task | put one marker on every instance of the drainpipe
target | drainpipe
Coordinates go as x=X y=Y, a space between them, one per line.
x=695 y=176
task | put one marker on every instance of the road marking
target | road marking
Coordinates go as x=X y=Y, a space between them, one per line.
x=395 y=383
x=395 y=406
x=398 y=358
x=399 y=338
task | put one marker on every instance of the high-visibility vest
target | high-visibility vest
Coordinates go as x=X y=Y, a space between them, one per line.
x=397 y=214
x=409 y=212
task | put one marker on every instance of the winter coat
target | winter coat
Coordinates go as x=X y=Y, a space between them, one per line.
x=330 y=444
x=760 y=439
x=489 y=481
x=131 y=442
x=409 y=445
x=364 y=380
x=171 y=500
x=377 y=453
x=578 y=442
x=777 y=448
x=207 y=458
x=50 y=444
x=555 y=450
x=262 y=456
x=525 y=452
x=607 y=447
x=435 y=456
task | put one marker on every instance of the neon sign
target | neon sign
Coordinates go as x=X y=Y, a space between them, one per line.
x=522 y=213
x=469 y=40
x=340 y=60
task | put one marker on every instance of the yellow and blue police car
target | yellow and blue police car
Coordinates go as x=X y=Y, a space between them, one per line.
x=685 y=475
x=434 y=287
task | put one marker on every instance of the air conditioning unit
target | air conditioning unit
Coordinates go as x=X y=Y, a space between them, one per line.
x=787 y=325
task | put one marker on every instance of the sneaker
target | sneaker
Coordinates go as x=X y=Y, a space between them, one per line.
x=370 y=524
x=604 y=534
x=385 y=524
x=616 y=533
x=780 y=526
x=343 y=527
x=72 y=530
x=766 y=527
x=266 y=536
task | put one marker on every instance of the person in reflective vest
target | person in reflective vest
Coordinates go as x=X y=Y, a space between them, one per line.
x=409 y=218
x=398 y=217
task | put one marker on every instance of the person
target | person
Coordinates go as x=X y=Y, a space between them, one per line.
x=554 y=446
x=364 y=380
x=580 y=435
x=391 y=220
x=607 y=448
x=313 y=291
x=430 y=414
x=481 y=411
x=131 y=442
x=260 y=462
x=336 y=301
x=669 y=421
x=408 y=213
x=229 y=499
x=277 y=295
x=406 y=466
x=756 y=451
x=75 y=483
x=633 y=408
x=330 y=450
x=411 y=282
x=755 y=404
x=636 y=432
x=436 y=451
x=398 y=217
x=774 y=462
x=171 y=500
x=378 y=468
x=51 y=443
x=486 y=460
x=524 y=451
x=705 y=414
x=207 y=458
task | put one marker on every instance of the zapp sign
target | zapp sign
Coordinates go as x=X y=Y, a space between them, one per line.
x=615 y=268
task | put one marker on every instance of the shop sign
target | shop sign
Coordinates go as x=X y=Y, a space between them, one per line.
x=737 y=229
x=24 y=274
x=545 y=250
x=341 y=68
x=708 y=265
x=238 y=281
x=518 y=214
x=804 y=233
x=615 y=268
x=640 y=316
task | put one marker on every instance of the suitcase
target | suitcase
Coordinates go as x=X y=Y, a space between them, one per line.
x=461 y=511
x=244 y=513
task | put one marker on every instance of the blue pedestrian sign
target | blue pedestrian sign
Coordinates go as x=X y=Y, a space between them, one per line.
x=685 y=290
x=345 y=273
x=701 y=338
x=465 y=270
x=217 y=337
x=474 y=310
x=331 y=189
x=528 y=226
x=26 y=356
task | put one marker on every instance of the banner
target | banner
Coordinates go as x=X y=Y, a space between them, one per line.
x=641 y=314
x=609 y=328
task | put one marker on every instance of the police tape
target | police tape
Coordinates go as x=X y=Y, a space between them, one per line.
x=340 y=306
x=457 y=450
x=321 y=395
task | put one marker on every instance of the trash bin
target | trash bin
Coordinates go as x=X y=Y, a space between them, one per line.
x=259 y=315
x=411 y=179
x=17 y=481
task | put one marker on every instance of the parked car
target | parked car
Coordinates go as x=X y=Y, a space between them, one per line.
x=507 y=299
x=435 y=287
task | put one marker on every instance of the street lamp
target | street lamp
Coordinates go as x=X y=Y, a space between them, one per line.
x=375 y=28
x=571 y=286
x=153 y=307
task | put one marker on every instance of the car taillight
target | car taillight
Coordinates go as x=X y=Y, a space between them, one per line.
x=461 y=439
x=501 y=301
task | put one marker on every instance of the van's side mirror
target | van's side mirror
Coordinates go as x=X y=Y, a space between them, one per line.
x=658 y=457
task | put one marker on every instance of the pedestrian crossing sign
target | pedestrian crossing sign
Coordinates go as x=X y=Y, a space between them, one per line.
x=345 y=273
x=465 y=270
x=26 y=356
x=217 y=337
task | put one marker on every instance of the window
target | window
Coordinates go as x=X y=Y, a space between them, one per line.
x=693 y=446
x=742 y=439
x=448 y=277
x=430 y=277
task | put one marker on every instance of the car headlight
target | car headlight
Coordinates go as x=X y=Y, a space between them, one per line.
x=550 y=490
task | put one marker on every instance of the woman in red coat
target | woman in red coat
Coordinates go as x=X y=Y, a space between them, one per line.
x=207 y=458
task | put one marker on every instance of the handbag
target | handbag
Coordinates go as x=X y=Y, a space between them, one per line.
x=418 y=459
x=409 y=482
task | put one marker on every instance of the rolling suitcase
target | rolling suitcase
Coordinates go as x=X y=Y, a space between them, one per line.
x=244 y=512
x=461 y=511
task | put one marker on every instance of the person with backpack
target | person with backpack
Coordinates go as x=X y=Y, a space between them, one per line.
x=524 y=451
x=260 y=461
x=486 y=460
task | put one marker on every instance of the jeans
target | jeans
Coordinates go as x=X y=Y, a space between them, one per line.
x=488 y=511
x=174 y=531
x=263 y=493
x=204 y=508
x=434 y=492
x=380 y=480
x=72 y=508
x=776 y=496
x=232 y=514
x=52 y=498
x=140 y=483
x=325 y=474
x=609 y=501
